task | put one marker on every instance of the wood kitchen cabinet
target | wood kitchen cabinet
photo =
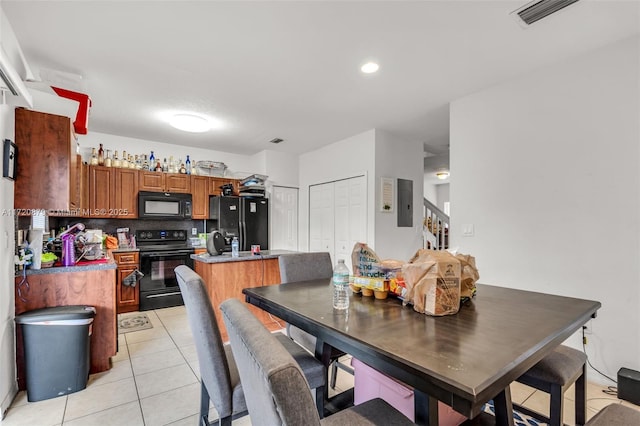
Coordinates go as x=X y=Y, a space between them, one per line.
x=200 y=197
x=215 y=183
x=164 y=182
x=127 y=297
x=125 y=196
x=224 y=280
x=47 y=163
x=113 y=192
x=87 y=287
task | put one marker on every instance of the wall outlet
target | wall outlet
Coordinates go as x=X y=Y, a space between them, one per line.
x=194 y=231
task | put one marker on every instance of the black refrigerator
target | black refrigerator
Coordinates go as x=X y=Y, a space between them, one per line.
x=243 y=217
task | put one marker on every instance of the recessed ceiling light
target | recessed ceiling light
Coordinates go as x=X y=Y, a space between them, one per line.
x=369 y=67
x=190 y=123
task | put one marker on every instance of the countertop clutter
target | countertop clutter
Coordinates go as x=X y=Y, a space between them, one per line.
x=81 y=266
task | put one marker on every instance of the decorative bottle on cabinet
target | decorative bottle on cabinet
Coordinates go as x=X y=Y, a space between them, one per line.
x=341 y=285
x=188 y=165
x=152 y=162
x=94 y=157
x=100 y=156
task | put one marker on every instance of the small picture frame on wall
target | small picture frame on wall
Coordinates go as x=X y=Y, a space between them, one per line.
x=386 y=195
x=10 y=157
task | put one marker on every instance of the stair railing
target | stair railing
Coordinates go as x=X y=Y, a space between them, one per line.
x=435 y=227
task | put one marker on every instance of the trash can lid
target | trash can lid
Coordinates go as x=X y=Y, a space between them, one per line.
x=56 y=313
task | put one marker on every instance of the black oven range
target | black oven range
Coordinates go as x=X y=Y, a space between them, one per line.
x=160 y=252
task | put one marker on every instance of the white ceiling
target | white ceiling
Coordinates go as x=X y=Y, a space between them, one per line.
x=291 y=69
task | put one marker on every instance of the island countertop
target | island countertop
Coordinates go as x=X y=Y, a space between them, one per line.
x=244 y=256
x=83 y=266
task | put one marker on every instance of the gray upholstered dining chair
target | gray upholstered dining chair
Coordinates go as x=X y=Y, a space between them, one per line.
x=220 y=381
x=275 y=388
x=303 y=267
x=554 y=374
x=616 y=415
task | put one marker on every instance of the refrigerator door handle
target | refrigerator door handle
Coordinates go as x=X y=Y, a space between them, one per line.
x=243 y=233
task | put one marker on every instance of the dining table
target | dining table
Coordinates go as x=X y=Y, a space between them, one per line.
x=464 y=360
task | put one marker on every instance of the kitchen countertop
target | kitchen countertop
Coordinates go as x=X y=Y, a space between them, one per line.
x=84 y=266
x=123 y=250
x=244 y=255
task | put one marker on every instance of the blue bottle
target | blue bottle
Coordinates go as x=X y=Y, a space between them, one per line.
x=152 y=162
x=188 y=165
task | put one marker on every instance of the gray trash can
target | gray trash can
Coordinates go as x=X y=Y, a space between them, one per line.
x=56 y=350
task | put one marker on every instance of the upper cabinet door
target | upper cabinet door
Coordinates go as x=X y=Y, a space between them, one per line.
x=101 y=191
x=174 y=182
x=164 y=182
x=200 y=197
x=125 y=197
x=151 y=181
x=47 y=173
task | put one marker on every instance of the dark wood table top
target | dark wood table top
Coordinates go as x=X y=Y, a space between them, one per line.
x=463 y=360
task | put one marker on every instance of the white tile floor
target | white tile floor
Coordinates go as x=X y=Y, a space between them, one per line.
x=155 y=381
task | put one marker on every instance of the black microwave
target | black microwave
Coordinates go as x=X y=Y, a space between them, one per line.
x=164 y=205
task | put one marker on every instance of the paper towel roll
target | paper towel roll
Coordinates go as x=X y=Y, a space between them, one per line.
x=35 y=243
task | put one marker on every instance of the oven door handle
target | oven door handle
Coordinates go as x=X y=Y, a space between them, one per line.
x=166 y=253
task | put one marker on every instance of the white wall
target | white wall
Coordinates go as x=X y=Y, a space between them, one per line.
x=282 y=168
x=442 y=195
x=398 y=159
x=547 y=168
x=236 y=163
x=429 y=189
x=8 y=385
x=354 y=156
x=375 y=154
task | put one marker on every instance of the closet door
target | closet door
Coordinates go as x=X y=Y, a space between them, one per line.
x=321 y=218
x=350 y=216
x=284 y=228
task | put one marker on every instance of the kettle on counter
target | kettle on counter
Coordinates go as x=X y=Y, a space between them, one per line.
x=215 y=243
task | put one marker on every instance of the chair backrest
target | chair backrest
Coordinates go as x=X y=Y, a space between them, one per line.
x=305 y=266
x=275 y=388
x=214 y=368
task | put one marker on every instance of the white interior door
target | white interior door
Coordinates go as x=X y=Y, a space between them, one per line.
x=341 y=217
x=321 y=218
x=350 y=216
x=338 y=217
x=284 y=227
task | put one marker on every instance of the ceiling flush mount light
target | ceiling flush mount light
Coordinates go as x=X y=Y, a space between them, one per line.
x=442 y=174
x=369 y=68
x=190 y=123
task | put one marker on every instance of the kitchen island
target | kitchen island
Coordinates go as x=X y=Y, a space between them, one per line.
x=91 y=284
x=225 y=277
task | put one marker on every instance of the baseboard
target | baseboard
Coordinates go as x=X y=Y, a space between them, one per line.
x=8 y=399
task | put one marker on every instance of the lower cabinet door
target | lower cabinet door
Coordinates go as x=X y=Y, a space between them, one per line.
x=128 y=297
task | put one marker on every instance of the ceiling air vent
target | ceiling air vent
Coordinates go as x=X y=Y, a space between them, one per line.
x=535 y=11
x=275 y=140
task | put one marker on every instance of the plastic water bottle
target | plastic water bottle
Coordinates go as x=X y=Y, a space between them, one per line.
x=188 y=165
x=235 y=247
x=341 y=285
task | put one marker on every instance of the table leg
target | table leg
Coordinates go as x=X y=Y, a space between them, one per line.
x=425 y=408
x=323 y=353
x=504 y=408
